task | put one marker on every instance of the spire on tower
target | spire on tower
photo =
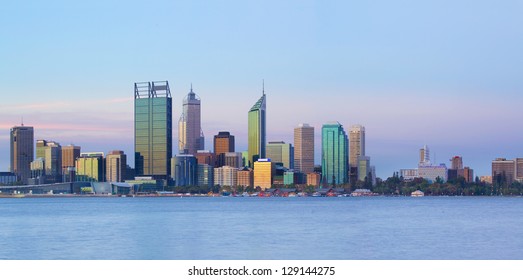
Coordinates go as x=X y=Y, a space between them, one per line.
x=263 y=86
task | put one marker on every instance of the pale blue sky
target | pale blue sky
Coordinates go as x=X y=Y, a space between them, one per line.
x=443 y=73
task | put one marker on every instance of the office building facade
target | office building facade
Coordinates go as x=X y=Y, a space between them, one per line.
x=190 y=127
x=264 y=171
x=356 y=144
x=334 y=154
x=281 y=153
x=223 y=143
x=116 y=166
x=153 y=129
x=184 y=170
x=90 y=167
x=226 y=176
x=257 y=130
x=22 y=151
x=304 y=148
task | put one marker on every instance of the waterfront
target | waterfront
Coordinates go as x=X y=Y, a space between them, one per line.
x=262 y=228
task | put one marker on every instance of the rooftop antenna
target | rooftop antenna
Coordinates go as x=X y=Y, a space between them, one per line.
x=22 y=120
x=191 y=87
x=263 y=86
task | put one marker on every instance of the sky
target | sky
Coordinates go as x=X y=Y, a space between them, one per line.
x=447 y=74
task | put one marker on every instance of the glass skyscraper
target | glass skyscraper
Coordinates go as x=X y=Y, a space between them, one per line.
x=256 y=131
x=189 y=127
x=153 y=129
x=334 y=163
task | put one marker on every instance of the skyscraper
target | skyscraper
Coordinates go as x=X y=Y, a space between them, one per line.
x=334 y=161
x=69 y=155
x=356 y=144
x=184 y=170
x=189 y=127
x=153 y=129
x=223 y=143
x=280 y=152
x=22 y=151
x=90 y=167
x=257 y=132
x=304 y=148
x=424 y=156
x=53 y=162
x=264 y=171
x=456 y=162
x=116 y=165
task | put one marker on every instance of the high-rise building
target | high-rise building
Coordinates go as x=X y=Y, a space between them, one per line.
x=40 y=148
x=234 y=160
x=226 y=176
x=363 y=168
x=69 y=155
x=264 y=171
x=223 y=143
x=356 y=144
x=184 y=170
x=304 y=148
x=205 y=175
x=116 y=166
x=190 y=127
x=280 y=152
x=22 y=151
x=334 y=154
x=206 y=157
x=257 y=130
x=503 y=171
x=153 y=129
x=90 y=167
x=53 y=162
x=313 y=179
x=424 y=156
x=468 y=174
x=456 y=162
x=519 y=169
x=246 y=177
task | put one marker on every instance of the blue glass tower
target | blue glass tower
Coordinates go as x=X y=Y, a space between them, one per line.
x=334 y=161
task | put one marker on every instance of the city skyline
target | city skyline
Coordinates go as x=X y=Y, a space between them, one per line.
x=407 y=76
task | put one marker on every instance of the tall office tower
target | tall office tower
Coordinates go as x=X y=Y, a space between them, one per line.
x=363 y=168
x=223 y=143
x=205 y=175
x=22 y=151
x=424 y=156
x=304 y=148
x=153 y=129
x=356 y=144
x=334 y=163
x=280 y=152
x=234 y=160
x=190 y=127
x=226 y=176
x=256 y=130
x=264 y=171
x=205 y=157
x=69 y=155
x=184 y=170
x=503 y=171
x=468 y=174
x=115 y=166
x=90 y=167
x=53 y=162
x=456 y=162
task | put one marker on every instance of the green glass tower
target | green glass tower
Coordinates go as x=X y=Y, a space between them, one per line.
x=153 y=129
x=334 y=162
x=257 y=131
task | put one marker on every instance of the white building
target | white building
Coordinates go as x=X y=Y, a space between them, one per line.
x=226 y=176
